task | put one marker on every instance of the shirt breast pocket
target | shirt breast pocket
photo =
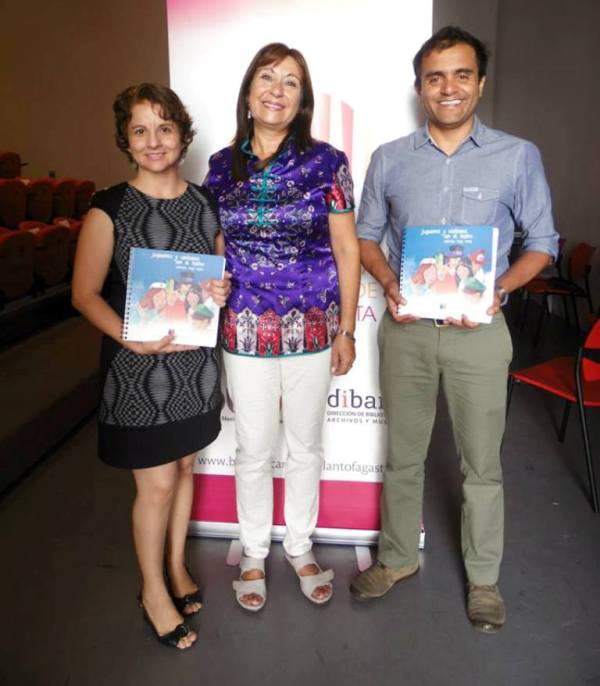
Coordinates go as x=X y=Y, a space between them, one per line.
x=479 y=205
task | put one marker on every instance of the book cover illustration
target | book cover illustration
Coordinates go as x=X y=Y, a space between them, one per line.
x=167 y=292
x=448 y=271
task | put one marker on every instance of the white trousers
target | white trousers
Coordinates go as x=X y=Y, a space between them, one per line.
x=258 y=388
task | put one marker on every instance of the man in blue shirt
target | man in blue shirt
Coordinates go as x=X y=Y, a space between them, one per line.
x=455 y=170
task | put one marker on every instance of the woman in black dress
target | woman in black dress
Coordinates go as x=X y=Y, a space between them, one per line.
x=160 y=401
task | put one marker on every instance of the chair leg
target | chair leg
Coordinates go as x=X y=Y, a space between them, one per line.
x=565 y=420
x=565 y=303
x=588 y=458
x=509 y=391
x=588 y=292
x=523 y=307
x=574 y=301
x=543 y=310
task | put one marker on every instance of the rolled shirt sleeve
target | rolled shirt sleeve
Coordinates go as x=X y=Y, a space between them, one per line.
x=373 y=212
x=533 y=205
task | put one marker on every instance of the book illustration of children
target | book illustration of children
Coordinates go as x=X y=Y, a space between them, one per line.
x=477 y=258
x=202 y=311
x=424 y=276
x=184 y=284
x=474 y=289
x=445 y=281
x=454 y=258
x=193 y=298
x=152 y=304
x=463 y=272
x=174 y=310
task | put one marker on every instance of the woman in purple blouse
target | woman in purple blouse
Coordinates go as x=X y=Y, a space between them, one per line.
x=286 y=209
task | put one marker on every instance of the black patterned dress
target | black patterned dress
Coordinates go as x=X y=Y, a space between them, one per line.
x=155 y=408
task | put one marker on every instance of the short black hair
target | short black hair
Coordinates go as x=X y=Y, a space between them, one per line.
x=445 y=38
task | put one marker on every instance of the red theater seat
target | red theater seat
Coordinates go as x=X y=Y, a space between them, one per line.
x=33 y=226
x=74 y=226
x=13 y=202
x=10 y=164
x=63 y=202
x=83 y=195
x=17 y=255
x=39 y=199
x=52 y=255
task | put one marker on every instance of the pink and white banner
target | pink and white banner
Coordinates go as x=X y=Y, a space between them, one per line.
x=360 y=57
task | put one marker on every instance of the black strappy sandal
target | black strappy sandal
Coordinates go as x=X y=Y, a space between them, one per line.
x=173 y=637
x=181 y=602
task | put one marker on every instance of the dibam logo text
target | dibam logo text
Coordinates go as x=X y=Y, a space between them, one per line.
x=349 y=399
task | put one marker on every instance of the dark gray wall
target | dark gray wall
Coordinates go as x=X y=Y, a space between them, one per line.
x=547 y=91
x=479 y=18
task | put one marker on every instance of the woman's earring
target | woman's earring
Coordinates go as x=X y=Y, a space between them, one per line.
x=249 y=114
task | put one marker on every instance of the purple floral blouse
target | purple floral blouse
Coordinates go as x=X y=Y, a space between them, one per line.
x=285 y=294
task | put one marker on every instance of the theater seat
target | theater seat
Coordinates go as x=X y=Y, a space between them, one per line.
x=13 y=203
x=63 y=201
x=32 y=226
x=74 y=226
x=52 y=255
x=17 y=255
x=10 y=164
x=39 y=195
x=83 y=194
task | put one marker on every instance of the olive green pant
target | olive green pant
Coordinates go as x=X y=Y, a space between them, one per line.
x=472 y=366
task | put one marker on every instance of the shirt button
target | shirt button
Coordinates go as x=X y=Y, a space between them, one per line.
x=445 y=189
x=448 y=160
x=443 y=220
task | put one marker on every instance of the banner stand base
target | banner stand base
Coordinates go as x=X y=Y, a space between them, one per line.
x=234 y=554
x=363 y=557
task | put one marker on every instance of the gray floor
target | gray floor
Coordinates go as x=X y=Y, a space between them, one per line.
x=69 y=582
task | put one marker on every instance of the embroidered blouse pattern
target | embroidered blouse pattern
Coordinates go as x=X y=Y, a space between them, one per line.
x=285 y=294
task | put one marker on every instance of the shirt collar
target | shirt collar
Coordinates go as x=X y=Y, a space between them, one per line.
x=247 y=149
x=477 y=135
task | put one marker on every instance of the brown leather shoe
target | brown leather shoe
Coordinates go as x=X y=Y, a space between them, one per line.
x=376 y=581
x=485 y=608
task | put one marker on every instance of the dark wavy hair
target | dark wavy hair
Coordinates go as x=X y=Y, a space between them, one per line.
x=171 y=109
x=273 y=53
x=445 y=38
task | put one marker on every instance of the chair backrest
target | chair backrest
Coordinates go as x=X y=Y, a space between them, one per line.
x=10 y=164
x=580 y=259
x=13 y=202
x=590 y=366
x=561 y=251
x=17 y=255
x=52 y=254
x=39 y=200
x=64 y=198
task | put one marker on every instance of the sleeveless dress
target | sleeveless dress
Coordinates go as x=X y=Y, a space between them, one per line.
x=155 y=409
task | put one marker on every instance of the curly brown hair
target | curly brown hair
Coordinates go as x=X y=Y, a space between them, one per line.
x=171 y=109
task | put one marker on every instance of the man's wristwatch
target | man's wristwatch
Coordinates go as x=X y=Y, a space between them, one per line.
x=502 y=293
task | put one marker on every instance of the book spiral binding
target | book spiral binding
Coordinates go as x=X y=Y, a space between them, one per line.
x=129 y=296
x=402 y=268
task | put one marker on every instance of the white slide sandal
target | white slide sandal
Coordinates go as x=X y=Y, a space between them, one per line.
x=309 y=583
x=244 y=587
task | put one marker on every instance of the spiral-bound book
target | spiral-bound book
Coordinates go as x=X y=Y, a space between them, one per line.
x=448 y=271
x=167 y=291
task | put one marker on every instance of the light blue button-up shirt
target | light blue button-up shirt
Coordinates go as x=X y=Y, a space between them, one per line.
x=493 y=178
